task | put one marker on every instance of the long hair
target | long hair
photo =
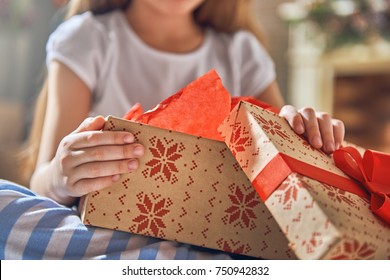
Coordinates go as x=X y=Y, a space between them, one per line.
x=222 y=15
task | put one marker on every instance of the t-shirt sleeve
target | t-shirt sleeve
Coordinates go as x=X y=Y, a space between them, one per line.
x=257 y=67
x=79 y=44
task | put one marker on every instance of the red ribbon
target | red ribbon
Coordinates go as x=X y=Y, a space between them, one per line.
x=281 y=166
x=373 y=172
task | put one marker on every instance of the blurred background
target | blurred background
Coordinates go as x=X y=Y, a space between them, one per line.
x=24 y=29
x=333 y=55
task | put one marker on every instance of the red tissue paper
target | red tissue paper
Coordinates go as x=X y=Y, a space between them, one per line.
x=197 y=109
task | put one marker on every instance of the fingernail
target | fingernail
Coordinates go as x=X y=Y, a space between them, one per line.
x=115 y=178
x=132 y=165
x=330 y=147
x=316 y=141
x=337 y=146
x=299 y=129
x=129 y=138
x=138 y=151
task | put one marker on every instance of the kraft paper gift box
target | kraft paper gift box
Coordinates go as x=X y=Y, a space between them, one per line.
x=189 y=189
x=323 y=213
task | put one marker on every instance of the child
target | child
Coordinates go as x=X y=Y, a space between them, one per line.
x=100 y=65
x=103 y=62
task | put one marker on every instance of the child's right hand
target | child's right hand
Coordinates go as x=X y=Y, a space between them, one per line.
x=89 y=159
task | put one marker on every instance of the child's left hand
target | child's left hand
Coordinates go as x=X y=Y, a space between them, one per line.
x=319 y=128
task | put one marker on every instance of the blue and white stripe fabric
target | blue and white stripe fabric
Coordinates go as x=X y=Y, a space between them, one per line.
x=35 y=227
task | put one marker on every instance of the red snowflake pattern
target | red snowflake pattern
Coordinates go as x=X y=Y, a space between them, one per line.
x=271 y=126
x=289 y=189
x=339 y=195
x=152 y=211
x=241 y=212
x=163 y=163
x=353 y=250
x=238 y=142
x=313 y=243
x=234 y=247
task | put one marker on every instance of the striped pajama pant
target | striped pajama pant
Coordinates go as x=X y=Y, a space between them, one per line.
x=35 y=227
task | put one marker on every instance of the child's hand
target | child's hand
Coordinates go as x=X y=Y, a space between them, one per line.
x=89 y=159
x=319 y=128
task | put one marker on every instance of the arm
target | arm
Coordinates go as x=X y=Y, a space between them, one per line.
x=271 y=95
x=318 y=127
x=71 y=164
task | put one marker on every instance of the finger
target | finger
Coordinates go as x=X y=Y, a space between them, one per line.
x=85 y=186
x=326 y=128
x=100 y=138
x=311 y=127
x=89 y=124
x=338 y=132
x=107 y=153
x=102 y=169
x=293 y=118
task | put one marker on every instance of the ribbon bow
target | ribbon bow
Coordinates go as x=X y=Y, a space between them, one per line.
x=373 y=172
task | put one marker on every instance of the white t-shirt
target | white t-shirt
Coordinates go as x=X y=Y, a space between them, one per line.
x=120 y=69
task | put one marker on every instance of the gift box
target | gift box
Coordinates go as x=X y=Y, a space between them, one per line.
x=323 y=212
x=189 y=189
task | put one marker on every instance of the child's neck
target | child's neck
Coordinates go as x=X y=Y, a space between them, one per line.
x=176 y=34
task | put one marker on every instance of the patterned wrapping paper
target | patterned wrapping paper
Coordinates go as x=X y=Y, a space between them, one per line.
x=189 y=189
x=320 y=220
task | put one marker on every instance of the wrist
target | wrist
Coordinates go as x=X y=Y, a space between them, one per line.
x=45 y=183
x=57 y=188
